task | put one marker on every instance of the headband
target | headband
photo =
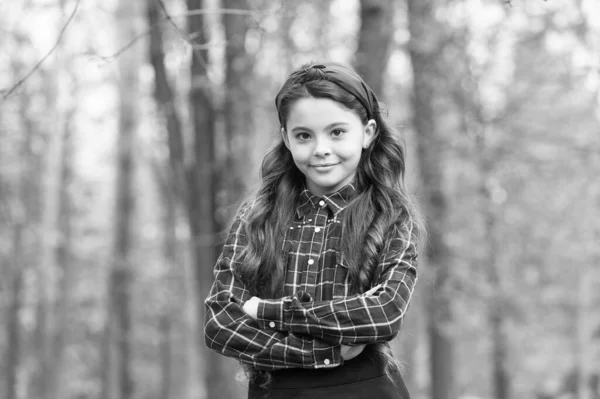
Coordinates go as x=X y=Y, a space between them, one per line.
x=341 y=76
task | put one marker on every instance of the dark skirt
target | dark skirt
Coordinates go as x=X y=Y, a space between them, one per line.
x=362 y=377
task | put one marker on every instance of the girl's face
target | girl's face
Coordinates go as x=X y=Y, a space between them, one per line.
x=326 y=141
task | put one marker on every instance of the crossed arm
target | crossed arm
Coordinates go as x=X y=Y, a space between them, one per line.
x=293 y=332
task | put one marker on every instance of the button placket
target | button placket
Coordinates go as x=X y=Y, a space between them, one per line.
x=318 y=240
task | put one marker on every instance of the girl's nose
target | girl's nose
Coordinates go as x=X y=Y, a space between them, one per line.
x=322 y=148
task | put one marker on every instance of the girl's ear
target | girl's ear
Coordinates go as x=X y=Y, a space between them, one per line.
x=284 y=136
x=370 y=130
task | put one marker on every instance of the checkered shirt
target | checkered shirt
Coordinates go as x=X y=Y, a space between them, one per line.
x=319 y=311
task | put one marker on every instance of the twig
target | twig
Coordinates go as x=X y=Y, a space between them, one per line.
x=187 y=38
x=128 y=45
x=109 y=58
x=183 y=35
x=231 y=11
x=168 y=17
x=35 y=68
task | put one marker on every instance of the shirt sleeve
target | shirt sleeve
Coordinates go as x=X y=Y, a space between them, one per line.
x=357 y=319
x=230 y=331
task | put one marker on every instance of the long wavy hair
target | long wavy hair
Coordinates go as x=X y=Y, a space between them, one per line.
x=382 y=205
x=382 y=200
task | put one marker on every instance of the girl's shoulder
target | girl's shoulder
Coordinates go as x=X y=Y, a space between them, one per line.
x=407 y=226
x=243 y=209
x=247 y=210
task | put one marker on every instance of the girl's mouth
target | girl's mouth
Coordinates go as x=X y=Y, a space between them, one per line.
x=325 y=166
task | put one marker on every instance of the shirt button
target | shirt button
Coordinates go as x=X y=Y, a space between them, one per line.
x=311 y=261
x=321 y=203
x=317 y=229
x=272 y=324
x=326 y=362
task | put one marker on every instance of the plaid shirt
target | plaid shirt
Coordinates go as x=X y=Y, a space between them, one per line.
x=318 y=312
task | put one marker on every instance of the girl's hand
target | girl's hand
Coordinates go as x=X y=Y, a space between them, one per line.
x=251 y=307
x=350 y=352
x=373 y=290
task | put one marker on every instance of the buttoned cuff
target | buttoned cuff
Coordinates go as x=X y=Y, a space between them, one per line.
x=270 y=314
x=278 y=313
x=326 y=355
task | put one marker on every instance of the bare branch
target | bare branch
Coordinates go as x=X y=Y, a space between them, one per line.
x=112 y=57
x=186 y=37
x=168 y=17
x=8 y=92
x=231 y=11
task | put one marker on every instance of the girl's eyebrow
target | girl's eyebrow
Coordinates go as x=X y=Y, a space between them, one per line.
x=331 y=125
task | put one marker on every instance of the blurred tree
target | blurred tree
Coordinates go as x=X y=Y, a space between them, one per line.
x=16 y=215
x=588 y=301
x=165 y=98
x=54 y=269
x=172 y=268
x=64 y=249
x=202 y=202
x=117 y=368
x=426 y=41
x=175 y=193
x=239 y=102
x=374 y=38
x=466 y=82
x=12 y=355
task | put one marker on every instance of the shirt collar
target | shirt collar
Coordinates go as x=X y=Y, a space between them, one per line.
x=336 y=201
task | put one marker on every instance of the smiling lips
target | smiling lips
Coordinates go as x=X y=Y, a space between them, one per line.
x=324 y=165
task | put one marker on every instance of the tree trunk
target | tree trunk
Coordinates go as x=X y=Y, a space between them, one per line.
x=376 y=31
x=63 y=258
x=374 y=38
x=117 y=367
x=587 y=352
x=13 y=323
x=501 y=380
x=165 y=98
x=20 y=221
x=165 y=357
x=424 y=48
x=239 y=127
x=474 y=124
x=47 y=329
x=202 y=203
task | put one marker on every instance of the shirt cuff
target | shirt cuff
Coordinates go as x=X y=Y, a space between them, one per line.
x=325 y=355
x=270 y=314
x=277 y=313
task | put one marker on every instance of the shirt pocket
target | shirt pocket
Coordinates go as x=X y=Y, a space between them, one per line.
x=291 y=241
x=341 y=282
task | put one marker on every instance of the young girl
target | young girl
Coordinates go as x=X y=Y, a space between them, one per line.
x=320 y=265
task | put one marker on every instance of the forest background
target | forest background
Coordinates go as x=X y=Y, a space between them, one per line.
x=130 y=130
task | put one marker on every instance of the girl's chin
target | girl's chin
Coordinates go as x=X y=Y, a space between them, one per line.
x=320 y=187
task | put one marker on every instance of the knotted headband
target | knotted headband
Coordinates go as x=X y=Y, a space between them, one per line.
x=338 y=74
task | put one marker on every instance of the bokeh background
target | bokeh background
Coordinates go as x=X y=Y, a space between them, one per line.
x=130 y=131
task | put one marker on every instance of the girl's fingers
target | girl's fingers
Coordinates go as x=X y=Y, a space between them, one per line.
x=373 y=290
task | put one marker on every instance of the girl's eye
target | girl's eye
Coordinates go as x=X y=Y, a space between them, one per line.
x=303 y=136
x=337 y=132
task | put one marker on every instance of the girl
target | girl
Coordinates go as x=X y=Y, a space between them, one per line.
x=320 y=265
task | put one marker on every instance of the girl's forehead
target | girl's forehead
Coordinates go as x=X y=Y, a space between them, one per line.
x=319 y=112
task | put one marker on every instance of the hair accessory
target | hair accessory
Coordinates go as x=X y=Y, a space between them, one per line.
x=340 y=75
